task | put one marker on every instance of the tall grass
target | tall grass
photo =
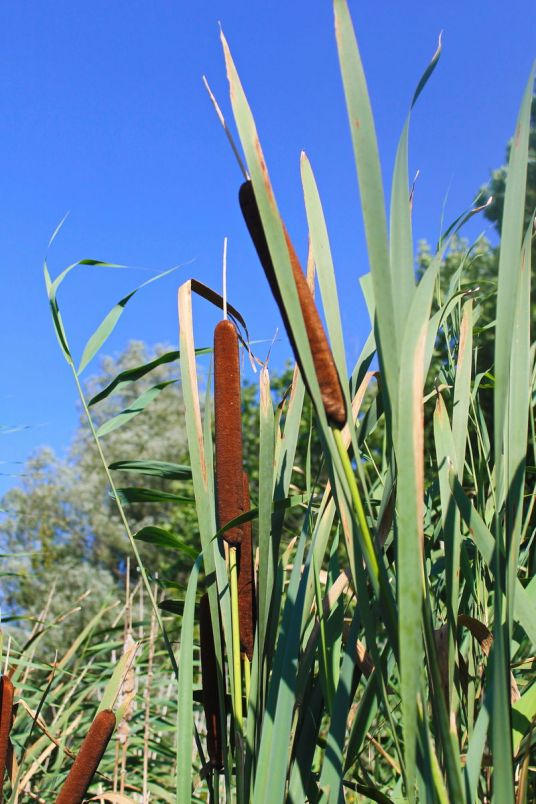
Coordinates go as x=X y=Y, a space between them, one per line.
x=392 y=656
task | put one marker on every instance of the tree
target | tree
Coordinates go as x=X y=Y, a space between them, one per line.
x=497 y=183
x=61 y=523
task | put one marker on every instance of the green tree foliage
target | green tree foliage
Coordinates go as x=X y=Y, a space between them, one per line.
x=61 y=514
x=497 y=182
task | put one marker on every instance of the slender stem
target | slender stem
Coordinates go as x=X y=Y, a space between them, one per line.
x=237 y=670
x=122 y=514
x=247 y=677
x=233 y=577
x=135 y=550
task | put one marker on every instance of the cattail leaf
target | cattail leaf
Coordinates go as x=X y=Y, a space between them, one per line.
x=510 y=271
x=450 y=519
x=285 y=447
x=326 y=679
x=273 y=751
x=475 y=751
x=185 y=712
x=509 y=327
x=275 y=507
x=400 y=229
x=368 y=706
x=164 y=469
x=367 y=161
x=137 y=494
x=165 y=538
x=324 y=266
x=306 y=739
x=134 y=409
x=410 y=505
x=485 y=543
x=462 y=387
x=107 y=326
x=331 y=775
x=517 y=419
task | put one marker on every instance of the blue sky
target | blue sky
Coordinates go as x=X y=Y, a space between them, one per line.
x=104 y=115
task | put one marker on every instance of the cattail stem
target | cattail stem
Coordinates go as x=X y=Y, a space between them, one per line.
x=209 y=673
x=6 y=719
x=247 y=677
x=237 y=672
x=88 y=758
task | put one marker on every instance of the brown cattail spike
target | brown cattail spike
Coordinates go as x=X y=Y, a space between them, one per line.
x=228 y=429
x=209 y=675
x=87 y=761
x=247 y=609
x=6 y=721
x=326 y=371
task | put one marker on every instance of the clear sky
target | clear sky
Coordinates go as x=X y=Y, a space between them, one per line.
x=103 y=114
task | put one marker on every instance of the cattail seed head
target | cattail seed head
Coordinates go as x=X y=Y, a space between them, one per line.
x=209 y=675
x=326 y=370
x=88 y=758
x=228 y=429
x=247 y=608
x=6 y=721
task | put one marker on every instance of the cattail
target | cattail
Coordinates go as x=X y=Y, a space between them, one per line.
x=247 y=609
x=326 y=371
x=87 y=760
x=228 y=429
x=209 y=675
x=6 y=721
